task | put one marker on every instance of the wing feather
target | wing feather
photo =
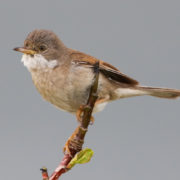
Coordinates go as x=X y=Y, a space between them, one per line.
x=106 y=69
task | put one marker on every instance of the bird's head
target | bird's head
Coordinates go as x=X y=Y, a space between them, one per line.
x=41 y=48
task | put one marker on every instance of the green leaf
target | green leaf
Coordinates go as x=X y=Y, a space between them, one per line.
x=84 y=156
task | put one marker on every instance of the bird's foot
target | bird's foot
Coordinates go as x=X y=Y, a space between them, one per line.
x=79 y=114
x=73 y=144
x=66 y=149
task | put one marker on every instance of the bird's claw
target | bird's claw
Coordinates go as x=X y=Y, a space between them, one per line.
x=79 y=114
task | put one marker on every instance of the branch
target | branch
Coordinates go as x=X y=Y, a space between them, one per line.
x=76 y=141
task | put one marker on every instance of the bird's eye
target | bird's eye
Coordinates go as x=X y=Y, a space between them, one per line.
x=42 y=48
x=27 y=44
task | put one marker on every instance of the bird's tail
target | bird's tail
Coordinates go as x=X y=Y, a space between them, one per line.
x=151 y=91
x=160 y=92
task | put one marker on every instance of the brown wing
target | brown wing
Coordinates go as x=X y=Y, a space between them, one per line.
x=106 y=69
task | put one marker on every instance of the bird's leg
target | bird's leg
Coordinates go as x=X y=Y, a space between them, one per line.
x=80 y=111
x=79 y=114
x=66 y=148
x=74 y=142
x=101 y=100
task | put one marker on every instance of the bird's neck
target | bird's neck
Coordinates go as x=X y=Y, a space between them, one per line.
x=38 y=62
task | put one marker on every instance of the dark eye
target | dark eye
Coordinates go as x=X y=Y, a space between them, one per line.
x=42 y=48
x=27 y=44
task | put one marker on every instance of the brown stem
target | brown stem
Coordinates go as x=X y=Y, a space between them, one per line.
x=76 y=141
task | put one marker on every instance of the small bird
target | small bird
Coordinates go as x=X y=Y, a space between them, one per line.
x=64 y=76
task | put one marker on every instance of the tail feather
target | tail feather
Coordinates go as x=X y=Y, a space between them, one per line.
x=160 y=92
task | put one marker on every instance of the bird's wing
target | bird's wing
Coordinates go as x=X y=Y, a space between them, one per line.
x=106 y=69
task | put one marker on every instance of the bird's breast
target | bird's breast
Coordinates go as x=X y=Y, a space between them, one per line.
x=66 y=90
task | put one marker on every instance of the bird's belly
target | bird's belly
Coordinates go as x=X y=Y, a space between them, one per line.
x=61 y=93
x=70 y=104
x=68 y=94
x=62 y=98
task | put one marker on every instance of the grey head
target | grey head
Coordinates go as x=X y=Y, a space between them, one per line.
x=45 y=43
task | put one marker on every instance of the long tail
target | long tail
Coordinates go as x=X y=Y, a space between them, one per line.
x=151 y=91
x=159 y=92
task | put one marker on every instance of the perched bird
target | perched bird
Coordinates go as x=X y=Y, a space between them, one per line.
x=64 y=76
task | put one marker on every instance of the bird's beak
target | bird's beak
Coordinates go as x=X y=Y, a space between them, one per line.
x=25 y=51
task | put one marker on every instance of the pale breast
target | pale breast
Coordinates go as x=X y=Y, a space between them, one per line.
x=52 y=89
x=67 y=87
x=66 y=90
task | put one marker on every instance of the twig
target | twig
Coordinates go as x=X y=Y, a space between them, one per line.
x=44 y=173
x=76 y=141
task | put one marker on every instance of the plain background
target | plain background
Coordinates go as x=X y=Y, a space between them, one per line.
x=133 y=139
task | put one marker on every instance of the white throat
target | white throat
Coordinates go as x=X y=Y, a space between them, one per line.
x=38 y=62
